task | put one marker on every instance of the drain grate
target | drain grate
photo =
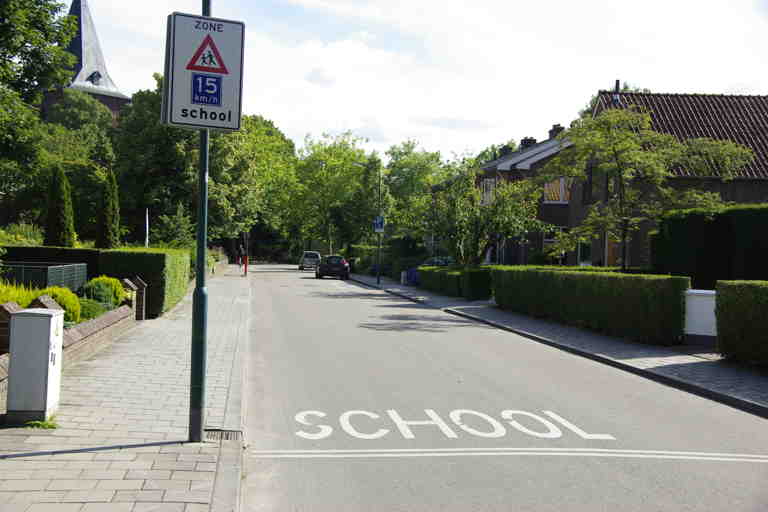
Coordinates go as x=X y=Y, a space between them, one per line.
x=223 y=435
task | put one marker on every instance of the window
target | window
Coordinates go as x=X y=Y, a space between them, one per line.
x=558 y=191
x=488 y=184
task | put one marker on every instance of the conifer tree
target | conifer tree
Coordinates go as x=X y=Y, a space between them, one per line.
x=109 y=218
x=60 y=224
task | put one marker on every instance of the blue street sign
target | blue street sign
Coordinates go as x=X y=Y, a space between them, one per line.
x=206 y=90
x=378 y=224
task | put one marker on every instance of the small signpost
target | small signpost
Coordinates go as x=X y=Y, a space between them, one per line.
x=202 y=90
x=378 y=224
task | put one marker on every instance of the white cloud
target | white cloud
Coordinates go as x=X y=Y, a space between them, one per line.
x=479 y=72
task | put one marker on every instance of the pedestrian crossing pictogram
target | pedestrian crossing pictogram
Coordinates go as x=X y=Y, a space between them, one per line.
x=207 y=58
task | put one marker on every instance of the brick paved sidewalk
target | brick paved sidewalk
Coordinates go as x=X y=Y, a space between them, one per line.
x=687 y=366
x=123 y=420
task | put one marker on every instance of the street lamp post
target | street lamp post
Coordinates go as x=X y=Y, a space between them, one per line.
x=381 y=234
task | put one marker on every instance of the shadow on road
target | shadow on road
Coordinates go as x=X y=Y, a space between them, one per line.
x=431 y=323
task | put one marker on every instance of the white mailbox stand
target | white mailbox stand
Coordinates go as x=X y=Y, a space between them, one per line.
x=34 y=371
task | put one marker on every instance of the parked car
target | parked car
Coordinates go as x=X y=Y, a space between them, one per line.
x=438 y=261
x=333 y=265
x=310 y=259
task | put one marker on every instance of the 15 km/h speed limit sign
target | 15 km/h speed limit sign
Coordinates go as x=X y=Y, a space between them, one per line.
x=203 y=72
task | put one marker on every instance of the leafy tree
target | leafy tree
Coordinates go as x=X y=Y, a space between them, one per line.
x=589 y=108
x=495 y=151
x=411 y=171
x=33 y=38
x=60 y=226
x=457 y=213
x=619 y=148
x=76 y=109
x=175 y=230
x=109 y=220
x=156 y=165
x=328 y=175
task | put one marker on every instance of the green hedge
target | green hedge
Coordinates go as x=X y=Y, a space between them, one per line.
x=742 y=320
x=711 y=246
x=90 y=309
x=65 y=298
x=442 y=280
x=476 y=283
x=166 y=272
x=646 y=308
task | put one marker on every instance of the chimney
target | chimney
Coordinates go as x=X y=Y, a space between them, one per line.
x=556 y=129
x=616 y=91
x=527 y=142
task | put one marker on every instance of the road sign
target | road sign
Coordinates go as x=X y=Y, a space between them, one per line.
x=203 y=72
x=378 y=224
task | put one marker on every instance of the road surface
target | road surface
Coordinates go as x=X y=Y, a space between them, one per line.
x=362 y=401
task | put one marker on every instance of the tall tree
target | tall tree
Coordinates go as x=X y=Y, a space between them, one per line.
x=109 y=219
x=618 y=148
x=457 y=212
x=60 y=225
x=33 y=38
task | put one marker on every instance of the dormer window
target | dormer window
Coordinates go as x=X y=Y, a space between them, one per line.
x=94 y=78
x=558 y=191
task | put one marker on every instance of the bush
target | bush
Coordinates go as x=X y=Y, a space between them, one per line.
x=91 y=308
x=166 y=272
x=21 y=234
x=476 y=283
x=742 y=322
x=108 y=290
x=646 y=308
x=442 y=280
x=65 y=298
x=20 y=294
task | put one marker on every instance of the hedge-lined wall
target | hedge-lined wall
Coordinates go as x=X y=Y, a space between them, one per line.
x=166 y=271
x=56 y=254
x=732 y=244
x=742 y=320
x=646 y=308
x=476 y=283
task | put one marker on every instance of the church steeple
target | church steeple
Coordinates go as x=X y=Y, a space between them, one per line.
x=91 y=74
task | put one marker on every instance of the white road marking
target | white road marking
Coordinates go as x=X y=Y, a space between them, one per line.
x=470 y=452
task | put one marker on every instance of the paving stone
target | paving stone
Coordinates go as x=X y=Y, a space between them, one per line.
x=14 y=507
x=201 y=485
x=90 y=496
x=71 y=485
x=154 y=474
x=55 y=507
x=71 y=474
x=158 y=507
x=196 y=507
x=205 y=466
x=139 y=496
x=174 y=466
x=24 y=485
x=107 y=507
x=120 y=484
x=188 y=496
x=131 y=464
x=103 y=474
x=17 y=474
x=166 y=484
x=37 y=497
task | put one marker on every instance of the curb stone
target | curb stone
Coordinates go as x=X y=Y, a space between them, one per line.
x=732 y=401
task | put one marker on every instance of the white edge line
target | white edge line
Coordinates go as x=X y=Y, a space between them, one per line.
x=508 y=450
x=498 y=453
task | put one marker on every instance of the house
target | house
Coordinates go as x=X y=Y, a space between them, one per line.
x=554 y=206
x=738 y=118
x=90 y=70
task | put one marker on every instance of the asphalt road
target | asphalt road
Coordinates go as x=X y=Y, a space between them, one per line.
x=361 y=401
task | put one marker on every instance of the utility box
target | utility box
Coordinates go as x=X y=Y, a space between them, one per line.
x=34 y=371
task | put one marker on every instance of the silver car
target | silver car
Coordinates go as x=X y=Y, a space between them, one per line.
x=310 y=259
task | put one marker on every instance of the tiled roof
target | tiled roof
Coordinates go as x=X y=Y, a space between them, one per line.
x=741 y=119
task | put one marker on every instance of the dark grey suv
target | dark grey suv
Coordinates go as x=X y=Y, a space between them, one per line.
x=333 y=265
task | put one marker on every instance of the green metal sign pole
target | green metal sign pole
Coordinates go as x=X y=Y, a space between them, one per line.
x=200 y=297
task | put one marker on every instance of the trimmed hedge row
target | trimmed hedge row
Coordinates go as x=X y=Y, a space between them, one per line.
x=476 y=283
x=646 y=308
x=742 y=322
x=166 y=271
x=442 y=280
x=708 y=246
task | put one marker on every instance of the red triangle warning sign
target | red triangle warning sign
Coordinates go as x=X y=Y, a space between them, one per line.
x=208 y=58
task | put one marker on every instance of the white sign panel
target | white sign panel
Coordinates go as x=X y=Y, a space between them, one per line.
x=203 y=72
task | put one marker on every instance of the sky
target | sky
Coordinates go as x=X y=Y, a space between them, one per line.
x=454 y=75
